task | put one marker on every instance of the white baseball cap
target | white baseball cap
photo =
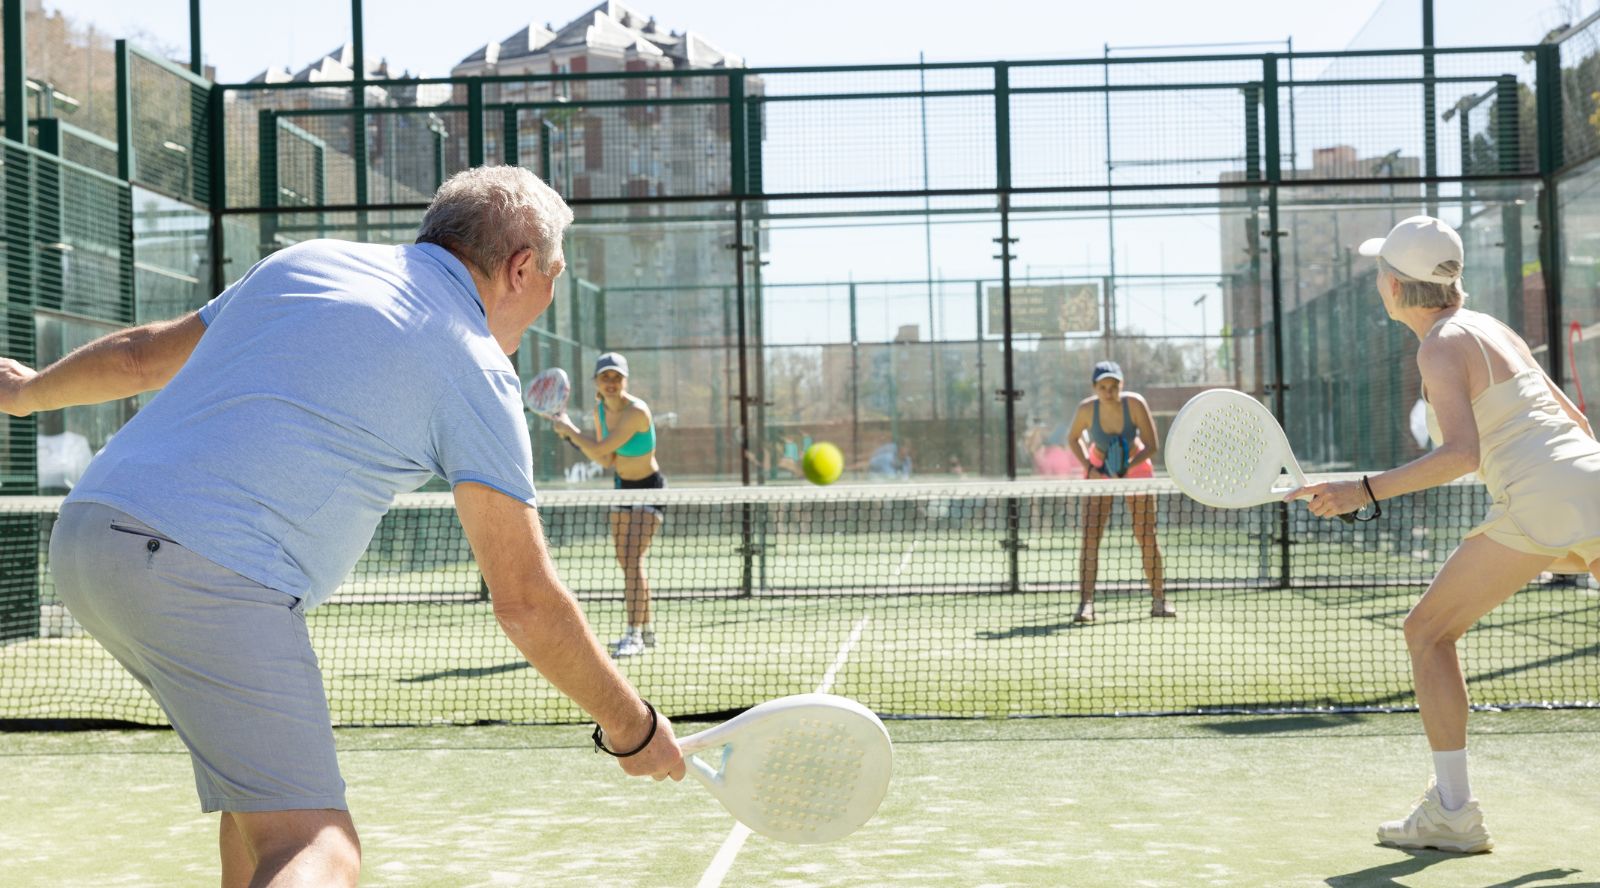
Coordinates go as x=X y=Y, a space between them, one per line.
x=611 y=361
x=1416 y=247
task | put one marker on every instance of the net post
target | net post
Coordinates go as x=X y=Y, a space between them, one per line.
x=1013 y=544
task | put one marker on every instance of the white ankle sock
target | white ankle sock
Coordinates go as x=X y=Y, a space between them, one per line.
x=1450 y=774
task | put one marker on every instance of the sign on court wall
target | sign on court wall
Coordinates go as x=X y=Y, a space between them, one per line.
x=1049 y=309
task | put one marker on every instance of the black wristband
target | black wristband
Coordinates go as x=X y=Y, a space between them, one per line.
x=1377 y=510
x=600 y=743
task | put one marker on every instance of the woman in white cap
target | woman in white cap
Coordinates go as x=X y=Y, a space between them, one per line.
x=1123 y=440
x=627 y=443
x=1491 y=409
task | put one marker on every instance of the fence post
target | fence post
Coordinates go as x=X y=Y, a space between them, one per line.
x=1548 y=81
x=510 y=152
x=1013 y=543
x=737 y=135
x=16 y=71
x=267 y=157
x=358 y=108
x=475 y=150
x=1274 y=237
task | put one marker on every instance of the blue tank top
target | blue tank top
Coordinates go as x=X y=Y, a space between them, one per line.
x=1102 y=439
x=641 y=444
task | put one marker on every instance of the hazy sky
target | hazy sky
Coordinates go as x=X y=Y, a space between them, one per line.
x=241 y=37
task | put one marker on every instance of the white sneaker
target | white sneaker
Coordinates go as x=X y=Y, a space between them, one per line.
x=1431 y=826
x=627 y=646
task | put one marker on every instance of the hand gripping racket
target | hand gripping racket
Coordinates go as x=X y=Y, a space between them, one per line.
x=807 y=768
x=1226 y=450
x=547 y=393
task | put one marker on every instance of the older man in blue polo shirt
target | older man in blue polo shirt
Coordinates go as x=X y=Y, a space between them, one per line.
x=293 y=408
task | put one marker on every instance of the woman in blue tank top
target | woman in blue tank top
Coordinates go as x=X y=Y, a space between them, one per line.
x=1123 y=434
x=626 y=442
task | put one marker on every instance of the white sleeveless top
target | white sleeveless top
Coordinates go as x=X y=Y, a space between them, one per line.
x=1541 y=468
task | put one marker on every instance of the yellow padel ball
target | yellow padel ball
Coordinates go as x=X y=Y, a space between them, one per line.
x=823 y=463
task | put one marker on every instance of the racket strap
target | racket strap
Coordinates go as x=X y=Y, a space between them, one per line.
x=600 y=742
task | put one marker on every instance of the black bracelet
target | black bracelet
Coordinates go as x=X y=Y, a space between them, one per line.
x=600 y=743
x=1377 y=510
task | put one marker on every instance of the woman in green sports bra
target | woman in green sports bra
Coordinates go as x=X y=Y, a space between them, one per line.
x=626 y=443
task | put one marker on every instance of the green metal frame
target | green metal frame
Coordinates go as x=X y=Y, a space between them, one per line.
x=1260 y=186
x=34 y=183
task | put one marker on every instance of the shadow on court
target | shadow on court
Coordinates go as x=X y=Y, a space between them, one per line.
x=1554 y=660
x=1384 y=876
x=1282 y=724
x=1027 y=631
x=475 y=672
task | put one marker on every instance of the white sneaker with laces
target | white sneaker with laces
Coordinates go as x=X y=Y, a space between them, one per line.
x=627 y=646
x=1431 y=826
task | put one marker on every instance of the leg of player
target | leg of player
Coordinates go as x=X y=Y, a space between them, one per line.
x=308 y=847
x=1096 y=514
x=1143 y=509
x=1476 y=579
x=642 y=532
x=631 y=641
x=237 y=864
x=632 y=532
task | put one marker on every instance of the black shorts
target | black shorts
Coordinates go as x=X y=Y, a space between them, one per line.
x=653 y=481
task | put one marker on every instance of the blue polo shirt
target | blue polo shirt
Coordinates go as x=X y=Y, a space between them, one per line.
x=331 y=377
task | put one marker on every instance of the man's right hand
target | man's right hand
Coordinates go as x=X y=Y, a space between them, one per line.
x=14 y=378
x=661 y=759
x=546 y=624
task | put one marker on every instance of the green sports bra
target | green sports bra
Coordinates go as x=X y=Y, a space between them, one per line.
x=641 y=444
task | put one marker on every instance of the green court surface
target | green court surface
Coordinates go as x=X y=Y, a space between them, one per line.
x=938 y=655
x=1213 y=801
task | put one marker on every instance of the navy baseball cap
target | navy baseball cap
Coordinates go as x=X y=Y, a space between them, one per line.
x=1106 y=368
x=611 y=361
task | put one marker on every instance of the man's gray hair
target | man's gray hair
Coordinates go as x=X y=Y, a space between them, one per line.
x=1428 y=294
x=489 y=213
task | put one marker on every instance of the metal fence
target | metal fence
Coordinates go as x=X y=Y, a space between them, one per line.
x=925 y=258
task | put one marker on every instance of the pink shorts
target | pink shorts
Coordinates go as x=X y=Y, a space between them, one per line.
x=1145 y=469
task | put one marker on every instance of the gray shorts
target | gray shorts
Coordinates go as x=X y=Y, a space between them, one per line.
x=227 y=659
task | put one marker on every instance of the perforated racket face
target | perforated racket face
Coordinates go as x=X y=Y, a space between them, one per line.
x=805 y=769
x=1226 y=450
x=548 y=392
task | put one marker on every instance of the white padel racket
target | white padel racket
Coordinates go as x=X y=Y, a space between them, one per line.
x=1226 y=450
x=548 y=392
x=807 y=768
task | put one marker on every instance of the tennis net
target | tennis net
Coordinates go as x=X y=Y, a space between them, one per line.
x=919 y=600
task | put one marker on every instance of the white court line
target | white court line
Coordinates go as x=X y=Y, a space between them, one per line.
x=905 y=560
x=844 y=652
x=723 y=862
x=720 y=864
